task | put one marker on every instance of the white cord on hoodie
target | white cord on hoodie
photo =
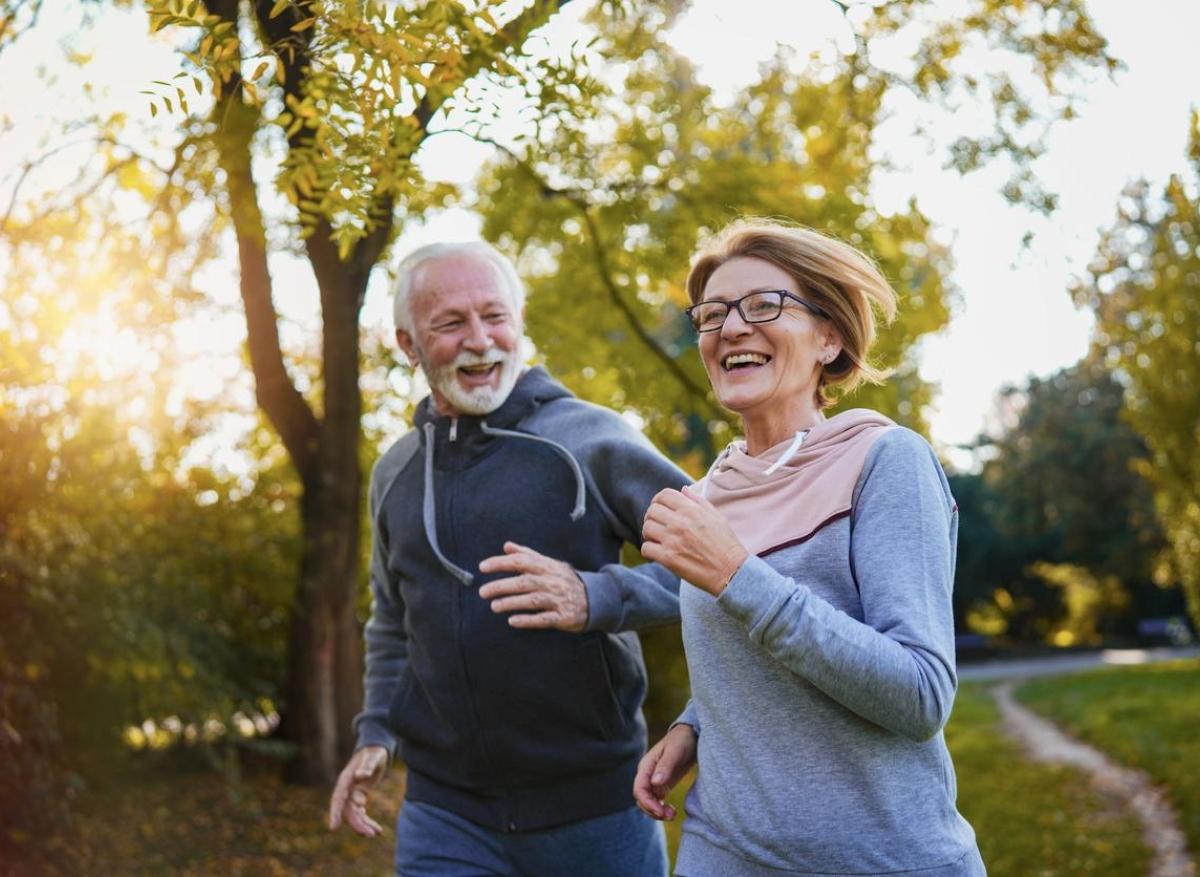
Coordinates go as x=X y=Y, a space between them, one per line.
x=789 y=453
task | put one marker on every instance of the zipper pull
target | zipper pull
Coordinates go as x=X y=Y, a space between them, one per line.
x=453 y=429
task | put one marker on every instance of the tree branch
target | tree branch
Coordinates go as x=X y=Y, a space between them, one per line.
x=603 y=269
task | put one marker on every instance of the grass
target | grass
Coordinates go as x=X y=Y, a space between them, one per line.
x=1032 y=819
x=1143 y=717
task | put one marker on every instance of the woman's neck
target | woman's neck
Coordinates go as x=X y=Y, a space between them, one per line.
x=765 y=429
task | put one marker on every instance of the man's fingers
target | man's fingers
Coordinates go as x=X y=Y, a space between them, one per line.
x=530 y=601
x=362 y=823
x=338 y=800
x=520 y=584
x=537 y=620
x=518 y=563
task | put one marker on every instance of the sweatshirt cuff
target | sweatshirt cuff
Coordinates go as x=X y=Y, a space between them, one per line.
x=604 y=601
x=371 y=734
x=755 y=593
x=688 y=717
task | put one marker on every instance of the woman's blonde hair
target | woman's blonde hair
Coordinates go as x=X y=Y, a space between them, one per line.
x=836 y=277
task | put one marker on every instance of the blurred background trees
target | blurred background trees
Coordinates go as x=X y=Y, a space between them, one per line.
x=1144 y=288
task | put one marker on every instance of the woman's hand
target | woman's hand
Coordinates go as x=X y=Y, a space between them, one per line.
x=661 y=768
x=685 y=533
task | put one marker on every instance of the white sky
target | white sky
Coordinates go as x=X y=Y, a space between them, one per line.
x=1015 y=317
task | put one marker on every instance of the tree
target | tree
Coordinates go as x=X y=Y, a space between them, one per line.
x=326 y=102
x=1144 y=288
x=342 y=95
x=1058 y=535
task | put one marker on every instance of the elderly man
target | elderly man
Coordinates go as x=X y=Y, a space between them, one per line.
x=510 y=683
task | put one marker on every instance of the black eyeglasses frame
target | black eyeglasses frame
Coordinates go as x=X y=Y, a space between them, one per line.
x=737 y=303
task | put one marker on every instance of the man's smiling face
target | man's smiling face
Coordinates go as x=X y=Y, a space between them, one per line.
x=466 y=334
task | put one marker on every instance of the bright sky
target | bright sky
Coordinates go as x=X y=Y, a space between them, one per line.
x=1014 y=318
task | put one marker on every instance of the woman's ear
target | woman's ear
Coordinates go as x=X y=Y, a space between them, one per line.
x=831 y=345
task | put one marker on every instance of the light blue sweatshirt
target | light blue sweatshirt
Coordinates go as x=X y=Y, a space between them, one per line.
x=821 y=680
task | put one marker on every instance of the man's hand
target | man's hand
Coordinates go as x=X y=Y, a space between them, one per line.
x=546 y=593
x=349 y=799
x=661 y=768
x=685 y=533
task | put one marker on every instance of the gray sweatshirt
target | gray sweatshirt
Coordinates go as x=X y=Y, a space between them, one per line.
x=821 y=680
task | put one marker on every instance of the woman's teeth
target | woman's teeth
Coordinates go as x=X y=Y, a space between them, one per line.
x=739 y=360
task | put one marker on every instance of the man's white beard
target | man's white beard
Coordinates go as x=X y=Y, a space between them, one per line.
x=481 y=400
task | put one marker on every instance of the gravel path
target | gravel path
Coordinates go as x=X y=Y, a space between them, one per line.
x=1045 y=742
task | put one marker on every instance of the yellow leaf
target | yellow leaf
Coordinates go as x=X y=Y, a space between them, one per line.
x=259 y=70
x=304 y=25
x=279 y=6
x=153 y=110
x=280 y=70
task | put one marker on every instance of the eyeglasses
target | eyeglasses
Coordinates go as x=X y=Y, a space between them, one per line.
x=757 y=307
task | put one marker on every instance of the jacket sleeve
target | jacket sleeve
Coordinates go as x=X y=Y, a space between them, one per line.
x=627 y=471
x=386 y=643
x=689 y=716
x=895 y=667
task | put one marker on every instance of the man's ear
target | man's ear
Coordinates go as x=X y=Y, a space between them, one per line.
x=409 y=346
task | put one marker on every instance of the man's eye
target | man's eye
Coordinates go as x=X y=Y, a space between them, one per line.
x=449 y=326
x=497 y=317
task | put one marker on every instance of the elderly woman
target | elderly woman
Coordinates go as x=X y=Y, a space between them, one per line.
x=818 y=558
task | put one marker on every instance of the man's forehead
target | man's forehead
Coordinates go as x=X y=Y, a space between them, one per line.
x=458 y=273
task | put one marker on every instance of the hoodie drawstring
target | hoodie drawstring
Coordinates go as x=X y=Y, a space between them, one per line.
x=789 y=453
x=580 y=484
x=429 y=503
x=429 y=513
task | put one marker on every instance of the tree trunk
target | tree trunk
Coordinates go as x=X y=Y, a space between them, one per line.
x=323 y=690
x=324 y=687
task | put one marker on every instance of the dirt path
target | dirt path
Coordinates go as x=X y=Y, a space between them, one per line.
x=1160 y=825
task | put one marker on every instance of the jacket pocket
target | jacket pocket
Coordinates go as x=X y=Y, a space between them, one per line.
x=602 y=689
x=414 y=719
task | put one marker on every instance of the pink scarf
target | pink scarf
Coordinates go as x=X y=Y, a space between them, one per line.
x=772 y=505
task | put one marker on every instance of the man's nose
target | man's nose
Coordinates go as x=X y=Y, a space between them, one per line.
x=478 y=340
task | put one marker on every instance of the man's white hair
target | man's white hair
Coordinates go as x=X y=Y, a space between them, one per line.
x=409 y=269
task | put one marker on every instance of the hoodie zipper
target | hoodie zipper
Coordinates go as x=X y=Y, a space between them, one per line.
x=453 y=429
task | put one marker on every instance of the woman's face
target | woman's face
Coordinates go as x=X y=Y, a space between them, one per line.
x=784 y=355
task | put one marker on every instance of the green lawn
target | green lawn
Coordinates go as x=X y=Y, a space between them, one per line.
x=1033 y=820
x=1146 y=717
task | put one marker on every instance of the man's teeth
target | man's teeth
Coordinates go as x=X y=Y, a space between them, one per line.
x=746 y=359
x=478 y=369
